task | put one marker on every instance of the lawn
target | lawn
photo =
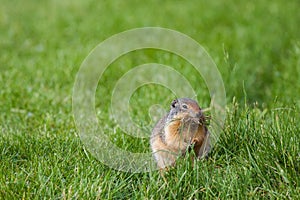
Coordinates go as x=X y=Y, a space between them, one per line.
x=256 y=46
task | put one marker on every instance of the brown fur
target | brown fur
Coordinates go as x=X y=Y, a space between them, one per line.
x=179 y=130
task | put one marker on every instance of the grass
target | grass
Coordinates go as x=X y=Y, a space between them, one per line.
x=256 y=46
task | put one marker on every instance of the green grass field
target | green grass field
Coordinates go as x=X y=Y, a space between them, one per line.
x=256 y=46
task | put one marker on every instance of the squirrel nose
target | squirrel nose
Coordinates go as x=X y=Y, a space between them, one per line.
x=199 y=114
x=196 y=115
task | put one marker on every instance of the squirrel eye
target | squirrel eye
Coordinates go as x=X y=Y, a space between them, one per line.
x=184 y=106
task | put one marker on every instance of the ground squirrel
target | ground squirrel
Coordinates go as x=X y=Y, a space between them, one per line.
x=184 y=127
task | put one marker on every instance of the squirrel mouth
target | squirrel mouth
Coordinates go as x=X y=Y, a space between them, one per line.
x=192 y=120
x=195 y=120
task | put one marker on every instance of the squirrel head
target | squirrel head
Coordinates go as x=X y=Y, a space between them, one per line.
x=187 y=110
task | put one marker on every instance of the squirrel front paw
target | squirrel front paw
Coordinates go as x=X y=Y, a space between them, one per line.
x=195 y=141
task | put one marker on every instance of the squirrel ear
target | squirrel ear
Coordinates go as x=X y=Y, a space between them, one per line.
x=174 y=103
